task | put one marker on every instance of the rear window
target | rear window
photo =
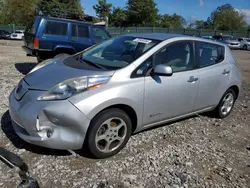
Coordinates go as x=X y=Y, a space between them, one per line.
x=99 y=34
x=18 y=32
x=210 y=54
x=56 y=28
x=4 y=32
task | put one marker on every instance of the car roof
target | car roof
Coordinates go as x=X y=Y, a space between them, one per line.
x=166 y=36
x=155 y=36
x=68 y=20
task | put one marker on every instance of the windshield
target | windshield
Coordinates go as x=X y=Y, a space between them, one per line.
x=18 y=32
x=118 y=52
x=228 y=38
x=248 y=40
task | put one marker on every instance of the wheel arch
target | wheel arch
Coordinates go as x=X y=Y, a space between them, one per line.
x=64 y=49
x=236 y=89
x=128 y=110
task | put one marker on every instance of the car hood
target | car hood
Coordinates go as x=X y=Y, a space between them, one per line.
x=231 y=41
x=58 y=71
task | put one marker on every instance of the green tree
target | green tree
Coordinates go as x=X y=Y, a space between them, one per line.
x=200 y=24
x=18 y=12
x=142 y=12
x=118 y=17
x=225 y=17
x=62 y=6
x=103 y=10
x=172 y=21
x=22 y=12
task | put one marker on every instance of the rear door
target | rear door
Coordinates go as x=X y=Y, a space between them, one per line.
x=80 y=38
x=214 y=73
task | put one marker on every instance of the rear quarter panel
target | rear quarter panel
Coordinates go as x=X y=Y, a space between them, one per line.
x=235 y=76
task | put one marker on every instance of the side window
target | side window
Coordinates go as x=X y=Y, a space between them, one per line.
x=56 y=28
x=143 y=69
x=83 y=31
x=74 y=30
x=178 y=55
x=209 y=54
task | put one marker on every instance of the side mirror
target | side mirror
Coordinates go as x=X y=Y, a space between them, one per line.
x=163 y=70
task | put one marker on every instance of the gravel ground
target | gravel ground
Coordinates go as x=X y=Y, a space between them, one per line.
x=197 y=152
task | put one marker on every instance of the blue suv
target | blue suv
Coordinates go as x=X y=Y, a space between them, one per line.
x=48 y=37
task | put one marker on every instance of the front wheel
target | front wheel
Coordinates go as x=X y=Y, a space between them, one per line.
x=226 y=104
x=245 y=47
x=108 y=133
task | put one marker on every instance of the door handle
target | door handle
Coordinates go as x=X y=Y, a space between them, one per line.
x=192 y=79
x=225 y=72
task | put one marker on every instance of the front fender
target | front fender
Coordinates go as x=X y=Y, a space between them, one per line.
x=94 y=101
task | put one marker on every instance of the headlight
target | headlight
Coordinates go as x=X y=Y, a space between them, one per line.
x=42 y=64
x=73 y=86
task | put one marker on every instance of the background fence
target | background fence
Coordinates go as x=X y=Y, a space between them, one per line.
x=114 y=31
x=11 y=28
x=197 y=32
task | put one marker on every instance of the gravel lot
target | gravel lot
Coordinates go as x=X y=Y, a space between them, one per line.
x=197 y=152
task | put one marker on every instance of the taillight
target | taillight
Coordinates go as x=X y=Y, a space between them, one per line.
x=36 y=43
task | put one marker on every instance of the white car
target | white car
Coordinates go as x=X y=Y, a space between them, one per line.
x=18 y=34
x=244 y=43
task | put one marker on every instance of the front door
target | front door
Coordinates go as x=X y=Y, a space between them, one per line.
x=167 y=97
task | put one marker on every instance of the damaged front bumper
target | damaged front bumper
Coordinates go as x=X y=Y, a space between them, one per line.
x=51 y=124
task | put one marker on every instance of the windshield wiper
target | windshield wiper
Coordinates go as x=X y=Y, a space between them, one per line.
x=93 y=64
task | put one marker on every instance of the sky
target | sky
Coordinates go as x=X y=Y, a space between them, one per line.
x=189 y=9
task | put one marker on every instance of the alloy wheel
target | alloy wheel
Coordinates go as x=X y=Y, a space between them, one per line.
x=110 y=135
x=227 y=104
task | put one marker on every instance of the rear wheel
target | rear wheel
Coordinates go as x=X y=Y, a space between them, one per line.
x=108 y=133
x=226 y=104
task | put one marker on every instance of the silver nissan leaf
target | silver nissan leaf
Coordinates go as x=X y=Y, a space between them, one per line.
x=121 y=86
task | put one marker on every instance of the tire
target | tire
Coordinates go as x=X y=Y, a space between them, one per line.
x=222 y=112
x=245 y=47
x=120 y=127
